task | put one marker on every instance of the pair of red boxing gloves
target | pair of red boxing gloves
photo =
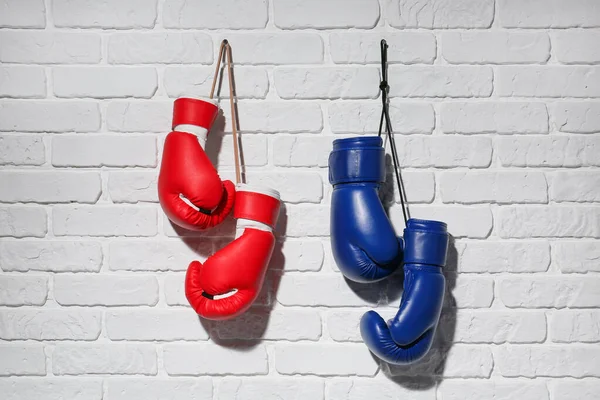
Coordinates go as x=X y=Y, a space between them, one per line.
x=193 y=196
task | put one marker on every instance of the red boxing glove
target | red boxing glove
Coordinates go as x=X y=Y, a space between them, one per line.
x=189 y=188
x=231 y=279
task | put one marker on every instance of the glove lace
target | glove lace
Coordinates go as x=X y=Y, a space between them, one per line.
x=385 y=115
x=225 y=53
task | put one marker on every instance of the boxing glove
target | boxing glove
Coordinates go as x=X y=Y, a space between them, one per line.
x=363 y=241
x=231 y=279
x=189 y=189
x=409 y=335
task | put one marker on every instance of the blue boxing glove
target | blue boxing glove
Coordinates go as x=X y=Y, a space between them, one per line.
x=364 y=244
x=409 y=335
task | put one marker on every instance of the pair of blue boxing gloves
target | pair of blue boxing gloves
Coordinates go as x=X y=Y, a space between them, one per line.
x=366 y=249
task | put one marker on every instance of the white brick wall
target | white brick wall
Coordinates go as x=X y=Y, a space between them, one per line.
x=496 y=107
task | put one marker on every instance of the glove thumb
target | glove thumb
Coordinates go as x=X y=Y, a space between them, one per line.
x=193 y=286
x=378 y=338
x=368 y=269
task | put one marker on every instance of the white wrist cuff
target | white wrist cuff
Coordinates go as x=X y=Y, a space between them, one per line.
x=200 y=132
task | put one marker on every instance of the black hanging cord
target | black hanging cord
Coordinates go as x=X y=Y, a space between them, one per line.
x=385 y=114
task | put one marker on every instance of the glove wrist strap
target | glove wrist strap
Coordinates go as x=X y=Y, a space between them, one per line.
x=256 y=204
x=357 y=160
x=425 y=242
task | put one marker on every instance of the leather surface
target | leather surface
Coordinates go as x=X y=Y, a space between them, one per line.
x=363 y=241
x=187 y=170
x=409 y=335
x=240 y=266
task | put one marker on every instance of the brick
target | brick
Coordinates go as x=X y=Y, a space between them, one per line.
x=550 y=292
x=253 y=147
x=108 y=359
x=548 y=81
x=344 y=326
x=160 y=48
x=327 y=14
x=297 y=225
x=22 y=82
x=326 y=83
x=250 y=82
x=472 y=222
x=364 y=117
x=483 y=326
x=459 y=361
x=55 y=256
x=419 y=186
x=51 y=388
x=577 y=186
x=444 y=151
x=493 y=187
x=552 y=361
x=18 y=290
x=174 y=290
x=440 y=81
x=552 y=151
x=156 y=389
x=293 y=151
x=495 y=47
x=104 y=150
x=46 y=47
x=22 y=150
x=576 y=256
x=356 y=389
x=577 y=47
x=268 y=48
x=580 y=389
x=190 y=359
x=107 y=290
x=154 y=325
x=22 y=359
x=440 y=13
x=364 y=48
x=136 y=255
x=146 y=116
x=46 y=116
x=327 y=290
x=104 y=221
x=23 y=221
x=104 y=82
x=23 y=14
x=498 y=257
x=119 y=14
x=491 y=389
x=276 y=117
x=228 y=14
x=580 y=117
x=264 y=324
x=307 y=187
x=133 y=186
x=47 y=324
x=494 y=118
x=324 y=359
x=298 y=255
x=49 y=187
x=524 y=222
x=270 y=388
x=568 y=326
x=548 y=14
x=471 y=292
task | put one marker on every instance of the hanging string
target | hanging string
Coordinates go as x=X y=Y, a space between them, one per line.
x=385 y=115
x=225 y=53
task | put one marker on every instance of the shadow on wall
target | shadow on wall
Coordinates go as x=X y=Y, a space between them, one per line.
x=429 y=371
